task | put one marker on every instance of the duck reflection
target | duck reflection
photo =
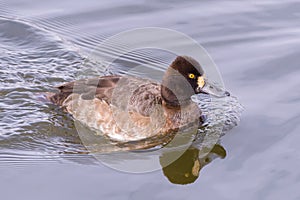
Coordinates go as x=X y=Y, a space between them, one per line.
x=179 y=167
x=187 y=167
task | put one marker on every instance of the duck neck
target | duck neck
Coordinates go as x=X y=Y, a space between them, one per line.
x=169 y=97
x=175 y=90
x=171 y=100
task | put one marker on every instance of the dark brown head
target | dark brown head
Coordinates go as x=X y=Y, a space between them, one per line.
x=184 y=78
x=181 y=80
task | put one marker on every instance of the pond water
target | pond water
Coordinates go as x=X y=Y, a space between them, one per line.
x=255 y=44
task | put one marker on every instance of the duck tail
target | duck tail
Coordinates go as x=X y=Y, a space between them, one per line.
x=45 y=97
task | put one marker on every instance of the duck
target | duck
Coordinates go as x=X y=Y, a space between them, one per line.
x=126 y=108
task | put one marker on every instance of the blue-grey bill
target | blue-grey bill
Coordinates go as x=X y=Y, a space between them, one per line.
x=213 y=90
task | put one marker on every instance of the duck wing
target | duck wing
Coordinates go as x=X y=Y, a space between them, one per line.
x=134 y=94
x=100 y=87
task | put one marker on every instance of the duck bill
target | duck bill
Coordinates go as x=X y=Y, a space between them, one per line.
x=211 y=89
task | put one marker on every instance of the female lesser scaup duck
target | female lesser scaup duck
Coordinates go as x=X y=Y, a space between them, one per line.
x=127 y=108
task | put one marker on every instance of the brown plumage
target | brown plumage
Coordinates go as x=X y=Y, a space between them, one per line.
x=126 y=108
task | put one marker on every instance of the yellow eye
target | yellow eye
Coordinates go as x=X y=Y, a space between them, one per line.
x=192 y=76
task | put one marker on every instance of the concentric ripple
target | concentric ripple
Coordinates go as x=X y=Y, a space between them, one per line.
x=33 y=61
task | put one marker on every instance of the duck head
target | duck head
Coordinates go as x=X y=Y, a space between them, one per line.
x=184 y=78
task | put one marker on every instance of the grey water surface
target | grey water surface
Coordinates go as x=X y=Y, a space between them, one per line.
x=255 y=44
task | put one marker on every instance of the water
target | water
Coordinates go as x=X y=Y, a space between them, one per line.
x=254 y=44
